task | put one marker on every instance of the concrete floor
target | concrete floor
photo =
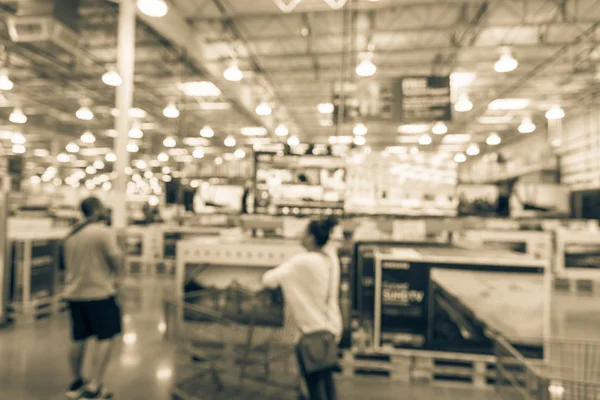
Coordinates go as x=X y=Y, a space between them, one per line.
x=33 y=363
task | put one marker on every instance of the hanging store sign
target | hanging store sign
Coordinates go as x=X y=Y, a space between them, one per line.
x=422 y=99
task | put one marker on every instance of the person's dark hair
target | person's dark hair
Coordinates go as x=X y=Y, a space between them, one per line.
x=90 y=206
x=321 y=229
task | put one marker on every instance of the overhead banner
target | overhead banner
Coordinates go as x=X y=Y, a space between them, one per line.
x=422 y=99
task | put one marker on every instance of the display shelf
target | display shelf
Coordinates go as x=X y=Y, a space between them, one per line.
x=577 y=255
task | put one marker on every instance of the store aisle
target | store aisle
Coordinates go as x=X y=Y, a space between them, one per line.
x=33 y=362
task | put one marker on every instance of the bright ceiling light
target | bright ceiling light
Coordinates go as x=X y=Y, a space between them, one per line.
x=166 y=170
x=137 y=113
x=112 y=78
x=509 y=104
x=253 y=131
x=198 y=153
x=43 y=153
x=506 y=63
x=19 y=149
x=171 y=111
x=5 y=82
x=63 y=158
x=495 y=120
x=325 y=108
x=98 y=164
x=17 y=116
x=464 y=103
x=230 y=141
x=555 y=112
x=199 y=89
x=72 y=147
x=233 y=73
x=360 y=129
x=359 y=140
x=141 y=164
x=494 y=139
x=263 y=109
x=425 y=140
x=439 y=128
x=153 y=8
x=207 y=132
x=460 y=158
x=18 y=138
x=293 y=141
x=110 y=157
x=169 y=142
x=413 y=129
x=218 y=161
x=84 y=114
x=366 y=68
x=132 y=147
x=456 y=138
x=282 y=130
x=239 y=153
x=473 y=150
x=136 y=132
x=163 y=157
x=88 y=138
x=462 y=79
x=526 y=126
x=90 y=170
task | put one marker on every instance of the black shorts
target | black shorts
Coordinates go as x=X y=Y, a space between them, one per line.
x=95 y=318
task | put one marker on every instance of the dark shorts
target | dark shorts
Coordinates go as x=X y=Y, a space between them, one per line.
x=95 y=318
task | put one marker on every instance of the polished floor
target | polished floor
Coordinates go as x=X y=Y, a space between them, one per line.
x=33 y=363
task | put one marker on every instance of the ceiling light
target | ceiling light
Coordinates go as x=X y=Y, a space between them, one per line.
x=366 y=68
x=360 y=129
x=526 y=126
x=84 y=114
x=425 y=140
x=35 y=180
x=163 y=157
x=462 y=79
x=132 y=147
x=198 y=153
x=253 y=131
x=112 y=78
x=473 y=149
x=90 y=170
x=460 y=158
x=555 y=112
x=263 y=109
x=43 y=153
x=230 y=141
x=136 y=132
x=439 y=128
x=493 y=140
x=463 y=104
x=110 y=157
x=112 y=133
x=199 y=89
x=5 y=82
x=282 y=130
x=72 y=147
x=456 y=138
x=170 y=142
x=413 y=129
x=18 y=138
x=207 y=132
x=196 y=142
x=325 y=108
x=506 y=63
x=153 y=8
x=166 y=170
x=17 y=116
x=63 y=158
x=98 y=164
x=503 y=120
x=171 y=111
x=18 y=149
x=509 y=104
x=167 y=178
x=141 y=164
x=407 y=139
x=137 y=113
x=88 y=138
x=148 y=174
x=341 y=139
x=239 y=153
x=218 y=161
x=293 y=141
x=359 y=140
x=233 y=72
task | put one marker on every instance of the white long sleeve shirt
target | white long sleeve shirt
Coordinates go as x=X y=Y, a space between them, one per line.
x=305 y=280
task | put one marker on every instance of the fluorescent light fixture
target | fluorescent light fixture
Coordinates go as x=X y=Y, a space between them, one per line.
x=413 y=129
x=178 y=152
x=341 y=140
x=506 y=62
x=555 y=112
x=425 y=140
x=207 y=132
x=293 y=141
x=42 y=153
x=199 y=89
x=366 y=68
x=84 y=114
x=110 y=157
x=163 y=157
x=198 y=153
x=239 y=153
x=88 y=138
x=98 y=164
x=153 y=8
x=462 y=79
x=264 y=109
x=5 y=83
x=63 y=158
x=488 y=120
x=18 y=138
x=137 y=113
x=439 y=128
x=282 y=130
x=359 y=140
x=473 y=149
x=233 y=73
x=196 y=142
x=527 y=126
x=136 y=132
x=325 y=108
x=360 y=129
x=72 y=147
x=112 y=78
x=230 y=141
x=167 y=178
x=17 y=116
x=493 y=139
x=169 y=142
x=408 y=139
x=19 y=149
x=460 y=158
x=171 y=111
x=214 y=106
x=132 y=147
x=463 y=104
x=456 y=138
x=509 y=104
x=90 y=170
x=253 y=131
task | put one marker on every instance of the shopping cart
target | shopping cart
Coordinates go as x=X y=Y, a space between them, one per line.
x=570 y=371
x=231 y=346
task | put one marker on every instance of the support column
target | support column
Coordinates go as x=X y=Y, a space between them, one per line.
x=124 y=99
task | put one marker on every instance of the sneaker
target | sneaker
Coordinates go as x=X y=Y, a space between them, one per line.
x=99 y=394
x=76 y=389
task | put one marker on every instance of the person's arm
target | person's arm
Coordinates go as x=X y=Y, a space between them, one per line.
x=114 y=255
x=273 y=278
